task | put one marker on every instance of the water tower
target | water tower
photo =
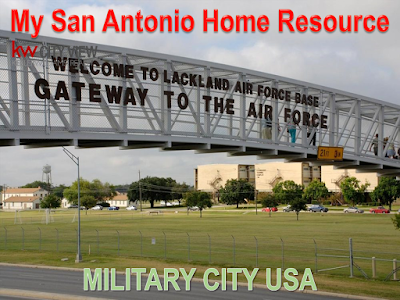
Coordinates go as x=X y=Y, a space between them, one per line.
x=46 y=175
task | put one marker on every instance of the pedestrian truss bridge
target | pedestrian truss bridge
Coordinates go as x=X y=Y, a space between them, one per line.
x=56 y=92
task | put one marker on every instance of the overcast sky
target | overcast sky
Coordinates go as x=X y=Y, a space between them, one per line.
x=362 y=63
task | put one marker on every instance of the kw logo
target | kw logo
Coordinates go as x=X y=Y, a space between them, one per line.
x=23 y=52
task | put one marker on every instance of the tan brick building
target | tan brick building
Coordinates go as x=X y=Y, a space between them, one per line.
x=265 y=176
x=210 y=178
x=269 y=174
x=332 y=178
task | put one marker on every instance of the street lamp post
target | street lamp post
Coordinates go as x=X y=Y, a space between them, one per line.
x=76 y=161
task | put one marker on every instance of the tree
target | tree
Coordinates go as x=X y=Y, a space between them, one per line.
x=179 y=189
x=59 y=190
x=88 y=201
x=71 y=193
x=50 y=201
x=199 y=199
x=287 y=191
x=387 y=191
x=316 y=190
x=352 y=191
x=36 y=184
x=91 y=192
x=269 y=200
x=396 y=221
x=298 y=205
x=235 y=191
x=153 y=189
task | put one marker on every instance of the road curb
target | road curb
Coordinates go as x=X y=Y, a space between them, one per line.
x=44 y=295
x=256 y=285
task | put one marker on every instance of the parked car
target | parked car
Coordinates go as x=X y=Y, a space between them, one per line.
x=267 y=209
x=131 y=207
x=353 y=209
x=97 y=207
x=316 y=208
x=379 y=210
x=73 y=206
x=287 y=208
x=113 y=208
x=193 y=208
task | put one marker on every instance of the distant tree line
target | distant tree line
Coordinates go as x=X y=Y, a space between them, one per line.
x=154 y=189
x=235 y=192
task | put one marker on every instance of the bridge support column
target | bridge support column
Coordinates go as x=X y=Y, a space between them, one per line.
x=74 y=105
x=304 y=139
x=242 y=121
x=357 y=130
x=123 y=109
x=275 y=116
x=12 y=88
x=381 y=118
x=165 y=111
x=332 y=119
x=25 y=91
x=207 y=118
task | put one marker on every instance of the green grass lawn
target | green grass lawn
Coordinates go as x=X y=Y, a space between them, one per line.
x=220 y=239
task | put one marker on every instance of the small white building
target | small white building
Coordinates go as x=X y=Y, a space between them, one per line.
x=65 y=203
x=20 y=203
x=121 y=200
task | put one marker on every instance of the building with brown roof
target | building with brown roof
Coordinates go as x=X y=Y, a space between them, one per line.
x=19 y=203
x=121 y=200
x=29 y=197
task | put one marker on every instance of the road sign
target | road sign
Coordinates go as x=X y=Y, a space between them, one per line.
x=330 y=153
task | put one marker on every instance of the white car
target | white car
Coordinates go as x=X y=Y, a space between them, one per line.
x=352 y=209
x=131 y=207
x=97 y=207
x=288 y=208
x=193 y=208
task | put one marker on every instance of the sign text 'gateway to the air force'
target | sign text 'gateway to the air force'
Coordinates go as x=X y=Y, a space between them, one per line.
x=137 y=96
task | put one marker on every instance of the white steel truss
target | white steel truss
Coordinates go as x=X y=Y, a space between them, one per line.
x=148 y=120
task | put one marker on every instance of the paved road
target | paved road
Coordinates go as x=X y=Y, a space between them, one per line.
x=71 y=283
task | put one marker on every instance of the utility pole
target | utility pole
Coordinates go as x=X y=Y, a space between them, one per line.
x=255 y=198
x=140 y=192
x=76 y=161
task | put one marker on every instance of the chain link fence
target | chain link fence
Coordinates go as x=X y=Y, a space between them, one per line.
x=206 y=248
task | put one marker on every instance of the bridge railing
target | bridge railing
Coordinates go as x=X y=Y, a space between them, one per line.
x=232 y=114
